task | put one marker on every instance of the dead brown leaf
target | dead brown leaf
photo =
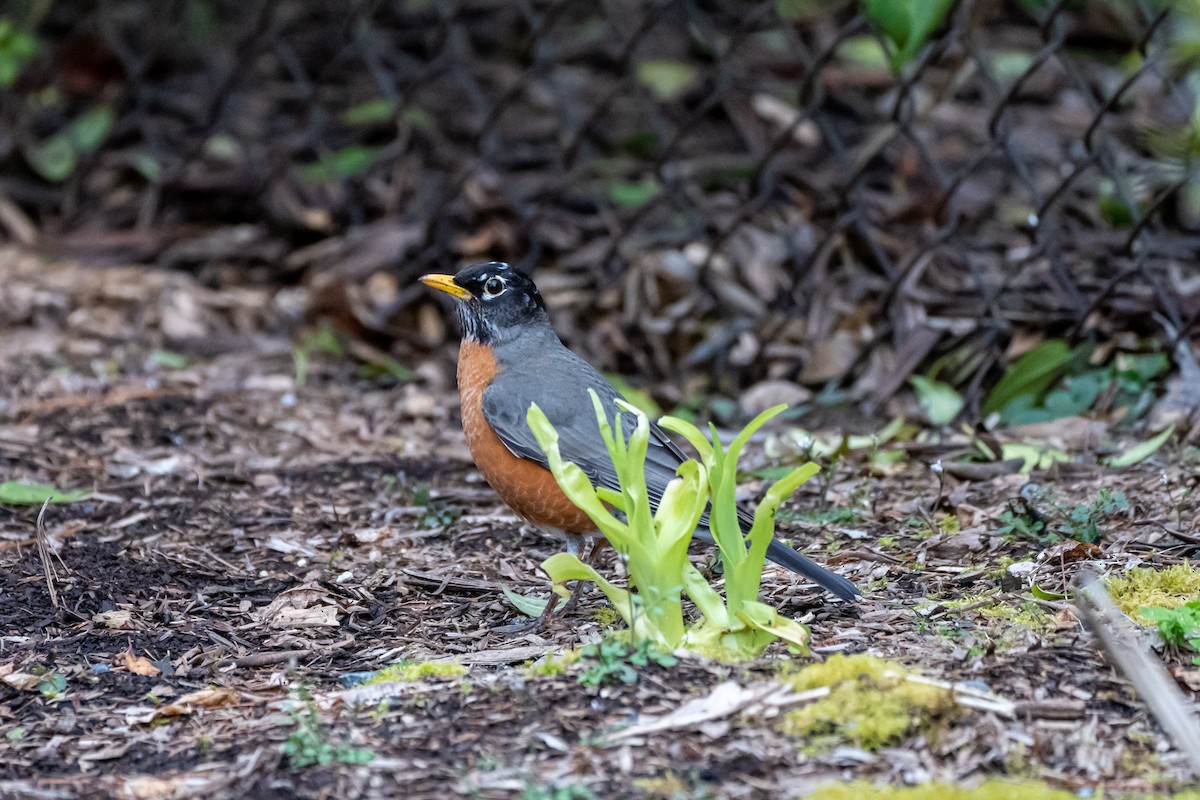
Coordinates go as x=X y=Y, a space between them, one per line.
x=138 y=665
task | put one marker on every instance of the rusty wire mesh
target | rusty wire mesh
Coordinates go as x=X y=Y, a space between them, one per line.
x=711 y=193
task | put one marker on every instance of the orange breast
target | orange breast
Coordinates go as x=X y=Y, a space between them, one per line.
x=526 y=486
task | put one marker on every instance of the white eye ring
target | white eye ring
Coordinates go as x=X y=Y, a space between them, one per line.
x=494 y=286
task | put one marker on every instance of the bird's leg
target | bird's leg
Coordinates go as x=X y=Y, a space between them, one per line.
x=542 y=621
x=595 y=545
x=575 y=545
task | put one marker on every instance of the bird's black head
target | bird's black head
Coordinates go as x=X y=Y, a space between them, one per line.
x=495 y=301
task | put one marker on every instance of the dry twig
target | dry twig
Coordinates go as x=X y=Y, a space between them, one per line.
x=1119 y=639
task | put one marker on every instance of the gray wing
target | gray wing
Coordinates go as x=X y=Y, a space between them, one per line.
x=569 y=408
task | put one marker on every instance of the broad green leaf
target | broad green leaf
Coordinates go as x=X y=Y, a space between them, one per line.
x=940 y=401
x=924 y=18
x=892 y=17
x=1035 y=456
x=667 y=79
x=564 y=567
x=1007 y=65
x=907 y=24
x=147 y=166
x=14 y=493
x=88 y=130
x=865 y=51
x=706 y=598
x=531 y=606
x=370 y=113
x=1042 y=594
x=769 y=621
x=53 y=158
x=345 y=163
x=17 y=49
x=682 y=503
x=1030 y=375
x=1140 y=452
x=634 y=195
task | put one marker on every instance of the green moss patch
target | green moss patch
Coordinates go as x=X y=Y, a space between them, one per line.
x=870 y=703
x=988 y=790
x=550 y=665
x=1166 y=588
x=409 y=671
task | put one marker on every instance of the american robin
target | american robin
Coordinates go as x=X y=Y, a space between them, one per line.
x=511 y=357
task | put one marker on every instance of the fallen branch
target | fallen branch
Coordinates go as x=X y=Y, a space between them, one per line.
x=1120 y=641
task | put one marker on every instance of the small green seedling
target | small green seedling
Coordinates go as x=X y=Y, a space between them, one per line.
x=615 y=660
x=307 y=744
x=52 y=684
x=1178 y=627
x=1040 y=516
x=570 y=792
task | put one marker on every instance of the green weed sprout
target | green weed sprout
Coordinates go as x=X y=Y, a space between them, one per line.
x=654 y=543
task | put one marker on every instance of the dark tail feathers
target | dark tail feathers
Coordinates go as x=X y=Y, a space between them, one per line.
x=785 y=556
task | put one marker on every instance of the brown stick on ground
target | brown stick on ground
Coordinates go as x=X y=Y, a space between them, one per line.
x=1121 y=641
x=47 y=555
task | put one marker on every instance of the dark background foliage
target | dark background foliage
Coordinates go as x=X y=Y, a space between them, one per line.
x=710 y=194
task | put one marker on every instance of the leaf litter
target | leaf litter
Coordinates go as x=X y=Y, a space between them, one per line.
x=291 y=544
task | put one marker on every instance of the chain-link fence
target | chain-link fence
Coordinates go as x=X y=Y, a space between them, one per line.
x=706 y=191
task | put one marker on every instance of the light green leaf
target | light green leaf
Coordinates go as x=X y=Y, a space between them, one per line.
x=53 y=158
x=769 y=621
x=865 y=51
x=563 y=567
x=370 y=113
x=17 y=49
x=706 y=598
x=531 y=606
x=88 y=130
x=1042 y=594
x=1035 y=456
x=682 y=503
x=14 y=493
x=1140 y=452
x=667 y=79
x=940 y=401
x=634 y=195
x=345 y=163
x=147 y=166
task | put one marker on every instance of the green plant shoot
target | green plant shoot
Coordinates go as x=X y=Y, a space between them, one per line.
x=741 y=624
x=654 y=543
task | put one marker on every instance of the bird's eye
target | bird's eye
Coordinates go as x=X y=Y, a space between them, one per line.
x=493 y=287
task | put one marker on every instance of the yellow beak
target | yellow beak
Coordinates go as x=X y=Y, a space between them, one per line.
x=445 y=283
